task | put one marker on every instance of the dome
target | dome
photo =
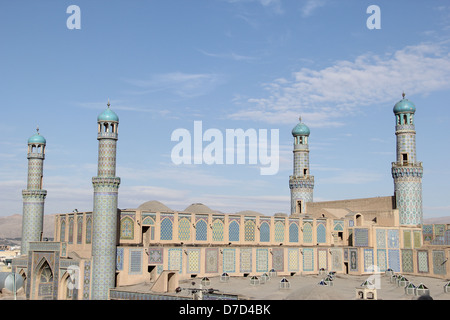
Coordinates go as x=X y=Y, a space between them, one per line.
x=198 y=208
x=36 y=138
x=249 y=213
x=404 y=106
x=154 y=206
x=300 y=129
x=108 y=115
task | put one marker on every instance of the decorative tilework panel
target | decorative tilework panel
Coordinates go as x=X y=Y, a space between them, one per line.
x=119 y=259
x=71 y=226
x=321 y=233
x=417 y=239
x=135 y=261
x=201 y=230
x=353 y=259
x=307 y=232
x=211 y=260
x=293 y=233
x=89 y=230
x=278 y=259
x=246 y=260
x=79 y=230
x=338 y=225
x=184 y=229
x=233 y=231
x=407 y=261
x=262 y=260
x=87 y=280
x=336 y=259
x=308 y=259
x=279 y=231
x=380 y=235
x=439 y=229
x=422 y=261
x=322 y=259
x=368 y=260
x=438 y=262
x=127 y=228
x=293 y=260
x=407 y=239
x=217 y=230
x=264 y=232
x=176 y=259
x=427 y=232
x=62 y=231
x=394 y=260
x=155 y=255
x=166 y=229
x=193 y=259
x=393 y=239
x=381 y=260
x=249 y=230
x=229 y=260
x=361 y=236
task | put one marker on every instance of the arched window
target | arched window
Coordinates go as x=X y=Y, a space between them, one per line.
x=46 y=273
x=321 y=233
x=80 y=230
x=70 y=230
x=279 y=231
x=62 y=231
x=166 y=229
x=307 y=233
x=184 y=229
x=264 y=232
x=88 y=230
x=217 y=230
x=201 y=230
x=127 y=228
x=249 y=231
x=293 y=232
x=233 y=231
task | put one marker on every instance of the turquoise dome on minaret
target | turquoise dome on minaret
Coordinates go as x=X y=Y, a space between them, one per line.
x=404 y=106
x=301 y=129
x=108 y=115
x=36 y=138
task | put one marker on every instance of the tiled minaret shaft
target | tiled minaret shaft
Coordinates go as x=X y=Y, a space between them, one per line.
x=105 y=213
x=301 y=183
x=407 y=172
x=34 y=196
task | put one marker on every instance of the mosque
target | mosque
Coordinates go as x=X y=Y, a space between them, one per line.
x=110 y=248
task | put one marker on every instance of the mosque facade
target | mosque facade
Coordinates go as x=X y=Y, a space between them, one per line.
x=95 y=254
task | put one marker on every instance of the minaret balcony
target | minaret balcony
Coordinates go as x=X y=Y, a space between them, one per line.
x=107 y=135
x=405 y=127
x=302 y=177
x=36 y=155
x=407 y=164
x=34 y=193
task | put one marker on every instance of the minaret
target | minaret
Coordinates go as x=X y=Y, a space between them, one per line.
x=407 y=171
x=301 y=182
x=106 y=187
x=34 y=195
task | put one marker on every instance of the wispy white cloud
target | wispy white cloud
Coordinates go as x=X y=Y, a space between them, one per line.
x=310 y=6
x=274 y=5
x=324 y=97
x=185 y=85
x=230 y=56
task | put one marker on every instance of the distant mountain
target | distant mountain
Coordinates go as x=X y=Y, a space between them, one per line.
x=11 y=226
x=439 y=220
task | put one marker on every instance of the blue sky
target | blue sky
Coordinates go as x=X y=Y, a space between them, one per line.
x=250 y=64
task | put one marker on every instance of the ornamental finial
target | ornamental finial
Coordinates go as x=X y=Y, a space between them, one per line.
x=108 y=104
x=403 y=95
x=37 y=129
x=300 y=119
